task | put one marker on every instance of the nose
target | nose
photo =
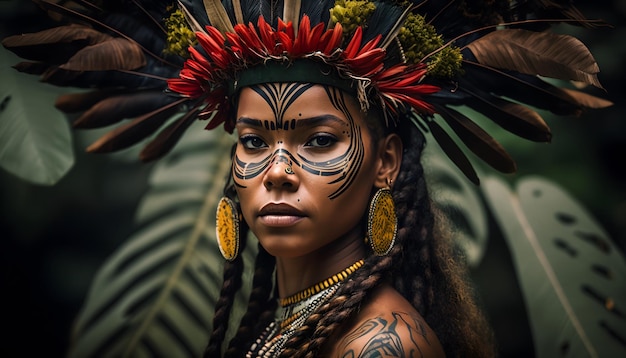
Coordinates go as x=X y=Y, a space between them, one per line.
x=281 y=174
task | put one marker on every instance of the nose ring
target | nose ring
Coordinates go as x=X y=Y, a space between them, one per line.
x=288 y=170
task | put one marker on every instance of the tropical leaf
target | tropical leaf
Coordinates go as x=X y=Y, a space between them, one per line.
x=572 y=276
x=155 y=295
x=35 y=142
x=537 y=53
x=460 y=201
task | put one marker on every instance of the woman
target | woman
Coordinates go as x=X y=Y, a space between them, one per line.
x=306 y=200
x=329 y=100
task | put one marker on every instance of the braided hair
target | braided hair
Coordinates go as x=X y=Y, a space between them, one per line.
x=439 y=291
x=232 y=280
x=261 y=307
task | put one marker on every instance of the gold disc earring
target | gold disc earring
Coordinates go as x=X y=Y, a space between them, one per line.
x=227 y=228
x=382 y=222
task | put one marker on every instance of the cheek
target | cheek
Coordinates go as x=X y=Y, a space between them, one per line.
x=246 y=168
x=245 y=199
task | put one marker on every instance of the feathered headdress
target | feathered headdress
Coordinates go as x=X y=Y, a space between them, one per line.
x=415 y=60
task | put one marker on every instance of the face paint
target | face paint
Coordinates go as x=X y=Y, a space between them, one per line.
x=304 y=166
x=279 y=98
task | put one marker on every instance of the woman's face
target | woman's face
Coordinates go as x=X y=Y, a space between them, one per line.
x=304 y=167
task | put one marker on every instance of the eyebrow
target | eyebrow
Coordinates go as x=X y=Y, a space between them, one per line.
x=249 y=122
x=306 y=122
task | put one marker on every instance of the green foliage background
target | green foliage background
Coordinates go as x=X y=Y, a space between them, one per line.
x=53 y=239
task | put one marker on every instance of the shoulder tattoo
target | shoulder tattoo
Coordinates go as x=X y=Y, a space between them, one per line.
x=404 y=336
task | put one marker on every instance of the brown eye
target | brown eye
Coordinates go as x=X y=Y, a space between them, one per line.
x=321 y=141
x=252 y=142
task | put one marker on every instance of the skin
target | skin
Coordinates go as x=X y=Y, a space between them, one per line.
x=387 y=326
x=311 y=219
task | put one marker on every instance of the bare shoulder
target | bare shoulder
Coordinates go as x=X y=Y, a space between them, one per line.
x=388 y=326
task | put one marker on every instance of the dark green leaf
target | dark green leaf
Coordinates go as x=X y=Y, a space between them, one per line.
x=157 y=292
x=571 y=274
x=35 y=141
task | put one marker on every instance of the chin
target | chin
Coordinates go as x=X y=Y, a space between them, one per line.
x=282 y=246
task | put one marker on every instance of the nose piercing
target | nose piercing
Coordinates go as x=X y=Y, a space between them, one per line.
x=288 y=170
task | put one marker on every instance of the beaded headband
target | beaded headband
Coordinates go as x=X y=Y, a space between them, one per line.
x=415 y=60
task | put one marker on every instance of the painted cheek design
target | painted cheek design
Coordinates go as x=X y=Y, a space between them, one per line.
x=351 y=161
x=345 y=166
x=337 y=166
x=245 y=171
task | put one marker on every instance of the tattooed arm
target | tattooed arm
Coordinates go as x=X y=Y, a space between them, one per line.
x=386 y=328
x=402 y=336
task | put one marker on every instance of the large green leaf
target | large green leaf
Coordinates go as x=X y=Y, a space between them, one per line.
x=572 y=276
x=155 y=295
x=35 y=139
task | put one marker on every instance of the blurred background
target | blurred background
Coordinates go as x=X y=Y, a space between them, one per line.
x=53 y=239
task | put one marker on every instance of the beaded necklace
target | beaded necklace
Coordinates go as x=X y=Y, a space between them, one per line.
x=294 y=311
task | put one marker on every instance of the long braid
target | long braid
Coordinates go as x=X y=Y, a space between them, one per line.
x=232 y=282
x=259 y=305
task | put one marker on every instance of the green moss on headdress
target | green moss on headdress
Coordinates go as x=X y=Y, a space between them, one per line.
x=419 y=39
x=179 y=35
x=351 y=13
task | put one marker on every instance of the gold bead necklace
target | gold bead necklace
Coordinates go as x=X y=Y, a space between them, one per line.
x=318 y=287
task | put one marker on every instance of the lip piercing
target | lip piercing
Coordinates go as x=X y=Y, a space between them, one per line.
x=288 y=170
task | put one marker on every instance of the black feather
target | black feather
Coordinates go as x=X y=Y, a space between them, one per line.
x=523 y=88
x=382 y=20
x=453 y=151
x=250 y=10
x=82 y=101
x=129 y=134
x=168 y=137
x=317 y=11
x=32 y=68
x=153 y=75
x=515 y=118
x=117 y=108
x=477 y=140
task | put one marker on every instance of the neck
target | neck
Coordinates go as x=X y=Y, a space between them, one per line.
x=299 y=273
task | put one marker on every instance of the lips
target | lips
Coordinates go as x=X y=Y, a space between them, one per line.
x=279 y=215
